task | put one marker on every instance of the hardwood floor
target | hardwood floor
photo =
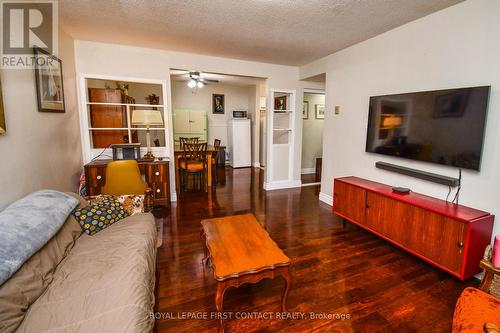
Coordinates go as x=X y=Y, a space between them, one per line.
x=335 y=270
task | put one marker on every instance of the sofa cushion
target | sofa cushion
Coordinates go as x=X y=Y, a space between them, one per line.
x=105 y=284
x=100 y=214
x=31 y=280
x=133 y=203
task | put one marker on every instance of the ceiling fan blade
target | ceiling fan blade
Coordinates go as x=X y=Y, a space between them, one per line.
x=208 y=80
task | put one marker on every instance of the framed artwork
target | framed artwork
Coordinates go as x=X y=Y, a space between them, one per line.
x=320 y=111
x=49 y=82
x=280 y=103
x=305 y=110
x=450 y=105
x=2 y=114
x=218 y=105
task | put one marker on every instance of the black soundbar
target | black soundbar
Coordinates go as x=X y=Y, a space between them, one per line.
x=429 y=176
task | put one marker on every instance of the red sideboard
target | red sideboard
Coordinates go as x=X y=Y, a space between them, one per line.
x=450 y=236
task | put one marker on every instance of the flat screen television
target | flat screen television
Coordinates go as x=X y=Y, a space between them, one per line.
x=440 y=126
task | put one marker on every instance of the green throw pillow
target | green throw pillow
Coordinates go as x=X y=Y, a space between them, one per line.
x=100 y=215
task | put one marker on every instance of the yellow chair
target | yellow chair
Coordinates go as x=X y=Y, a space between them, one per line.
x=124 y=177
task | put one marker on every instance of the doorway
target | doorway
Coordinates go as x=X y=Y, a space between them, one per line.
x=312 y=136
x=214 y=106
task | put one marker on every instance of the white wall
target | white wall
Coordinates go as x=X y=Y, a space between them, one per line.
x=39 y=150
x=455 y=47
x=312 y=134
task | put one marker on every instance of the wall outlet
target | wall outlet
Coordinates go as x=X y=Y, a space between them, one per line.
x=337 y=109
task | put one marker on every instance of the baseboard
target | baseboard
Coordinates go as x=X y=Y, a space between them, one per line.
x=310 y=184
x=328 y=199
x=256 y=164
x=281 y=184
x=307 y=171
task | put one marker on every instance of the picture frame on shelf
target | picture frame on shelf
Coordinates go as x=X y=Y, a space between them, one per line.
x=320 y=111
x=218 y=104
x=305 y=110
x=3 y=129
x=49 y=82
x=280 y=103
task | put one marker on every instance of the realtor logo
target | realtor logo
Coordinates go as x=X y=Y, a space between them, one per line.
x=26 y=24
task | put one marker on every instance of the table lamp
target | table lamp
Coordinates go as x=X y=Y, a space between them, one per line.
x=148 y=118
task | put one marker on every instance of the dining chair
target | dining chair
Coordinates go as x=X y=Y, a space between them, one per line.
x=183 y=140
x=194 y=163
x=215 y=157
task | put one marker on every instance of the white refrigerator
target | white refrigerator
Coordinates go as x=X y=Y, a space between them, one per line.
x=239 y=143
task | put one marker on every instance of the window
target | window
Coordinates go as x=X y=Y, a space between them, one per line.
x=110 y=119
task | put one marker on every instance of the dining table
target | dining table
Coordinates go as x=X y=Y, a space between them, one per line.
x=178 y=151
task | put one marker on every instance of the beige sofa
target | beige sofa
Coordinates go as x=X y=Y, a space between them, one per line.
x=80 y=283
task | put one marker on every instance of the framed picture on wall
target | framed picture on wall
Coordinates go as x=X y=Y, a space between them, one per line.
x=320 y=111
x=450 y=105
x=305 y=110
x=49 y=82
x=218 y=105
x=280 y=103
x=2 y=114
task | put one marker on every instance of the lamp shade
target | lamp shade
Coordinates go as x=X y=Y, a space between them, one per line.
x=146 y=117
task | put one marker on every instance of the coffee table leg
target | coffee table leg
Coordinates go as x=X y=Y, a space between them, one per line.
x=219 y=300
x=288 y=283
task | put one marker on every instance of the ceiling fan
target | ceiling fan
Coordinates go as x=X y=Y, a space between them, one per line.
x=196 y=80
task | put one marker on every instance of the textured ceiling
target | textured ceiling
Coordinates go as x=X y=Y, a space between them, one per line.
x=287 y=32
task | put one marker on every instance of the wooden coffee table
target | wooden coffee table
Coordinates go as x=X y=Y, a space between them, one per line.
x=241 y=251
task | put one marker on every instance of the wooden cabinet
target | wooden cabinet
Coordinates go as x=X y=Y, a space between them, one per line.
x=452 y=237
x=155 y=173
x=190 y=123
x=157 y=176
x=349 y=199
x=386 y=216
x=109 y=116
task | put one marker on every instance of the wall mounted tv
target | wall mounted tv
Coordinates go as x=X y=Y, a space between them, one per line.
x=440 y=126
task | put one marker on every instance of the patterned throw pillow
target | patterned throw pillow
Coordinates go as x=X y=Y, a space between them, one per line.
x=99 y=215
x=133 y=204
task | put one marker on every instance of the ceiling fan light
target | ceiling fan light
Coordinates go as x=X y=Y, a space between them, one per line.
x=200 y=84
x=191 y=83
